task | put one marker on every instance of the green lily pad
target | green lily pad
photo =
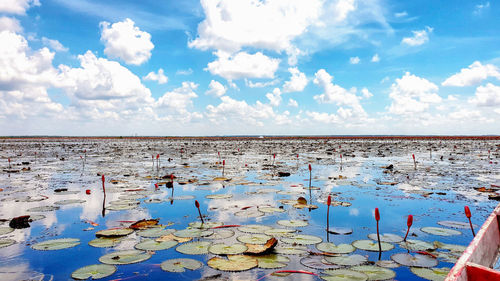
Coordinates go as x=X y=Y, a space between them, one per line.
x=271 y=210
x=343 y=275
x=279 y=232
x=233 y=263
x=456 y=224
x=219 y=196
x=123 y=207
x=292 y=223
x=440 y=231
x=414 y=260
x=205 y=225
x=220 y=234
x=125 y=257
x=69 y=201
x=266 y=190
x=387 y=264
x=416 y=245
x=194 y=248
x=271 y=261
x=155 y=232
x=43 y=209
x=249 y=213
x=193 y=232
x=290 y=250
x=153 y=245
x=6 y=242
x=56 y=244
x=105 y=242
x=258 y=239
x=349 y=260
x=223 y=249
x=375 y=272
x=5 y=230
x=433 y=274
x=114 y=232
x=95 y=271
x=180 y=265
x=386 y=237
x=302 y=239
x=450 y=247
x=254 y=228
x=369 y=245
x=335 y=249
x=316 y=262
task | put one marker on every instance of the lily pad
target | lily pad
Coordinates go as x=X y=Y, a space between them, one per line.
x=6 y=242
x=340 y=230
x=349 y=260
x=271 y=261
x=105 y=242
x=375 y=272
x=279 y=232
x=69 y=201
x=292 y=223
x=440 y=231
x=316 y=263
x=95 y=271
x=254 y=228
x=219 y=196
x=386 y=237
x=249 y=213
x=125 y=257
x=302 y=239
x=220 y=234
x=180 y=265
x=254 y=238
x=114 y=232
x=387 y=264
x=155 y=232
x=450 y=247
x=56 y=244
x=120 y=207
x=193 y=232
x=223 y=249
x=414 y=260
x=205 y=225
x=335 y=249
x=233 y=263
x=416 y=245
x=456 y=224
x=5 y=230
x=290 y=250
x=369 y=245
x=343 y=275
x=43 y=209
x=271 y=210
x=194 y=248
x=433 y=274
x=153 y=245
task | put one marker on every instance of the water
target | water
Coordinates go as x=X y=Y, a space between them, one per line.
x=437 y=190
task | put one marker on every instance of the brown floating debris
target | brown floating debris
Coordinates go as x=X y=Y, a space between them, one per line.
x=143 y=224
x=262 y=249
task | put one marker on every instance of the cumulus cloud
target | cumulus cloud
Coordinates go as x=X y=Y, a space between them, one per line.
x=216 y=89
x=239 y=111
x=243 y=65
x=366 y=93
x=411 y=94
x=54 y=44
x=188 y=71
x=487 y=96
x=354 y=60
x=158 y=77
x=10 y=24
x=293 y=103
x=18 y=7
x=420 y=37
x=479 y=8
x=473 y=75
x=338 y=95
x=260 y=84
x=375 y=58
x=274 y=97
x=125 y=41
x=179 y=100
x=297 y=82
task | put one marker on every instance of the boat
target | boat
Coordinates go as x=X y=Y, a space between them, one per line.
x=479 y=258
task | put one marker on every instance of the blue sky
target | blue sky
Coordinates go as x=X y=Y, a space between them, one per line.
x=242 y=67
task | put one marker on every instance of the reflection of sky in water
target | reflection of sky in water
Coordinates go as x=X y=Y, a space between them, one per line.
x=356 y=181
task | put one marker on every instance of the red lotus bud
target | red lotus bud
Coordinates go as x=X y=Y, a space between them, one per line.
x=297 y=156
x=413 y=155
x=156 y=186
x=467 y=212
x=340 y=155
x=196 y=204
x=329 y=201
x=172 y=177
x=87 y=191
x=310 y=167
x=274 y=155
x=377 y=214
x=103 y=179
x=223 y=162
x=157 y=156
x=410 y=221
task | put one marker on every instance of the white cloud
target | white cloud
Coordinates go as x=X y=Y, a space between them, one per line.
x=338 y=95
x=216 y=89
x=18 y=7
x=366 y=93
x=323 y=117
x=473 y=75
x=159 y=77
x=478 y=9
x=465 y=114
x=375 y=58
x=411 y=94
x=274 y=97
x=354 y=60
x=297 y=82
x=54 y=44
x=243 y=65
x=401 y=14
x=188 y=71
x=127 y=42
x=260 y=84
x=10 y=24
x=487 y=96
x=293 y=103
x=420 y=37
x=178 y=100
x=239 y=111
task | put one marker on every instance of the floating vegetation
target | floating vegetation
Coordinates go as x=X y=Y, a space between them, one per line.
x=6 y=242
x=433 y=274
x=349 y=260
x=125 y=257
x=416 y=245
x=56 y=244
x=386 y=237
x=153 y=245
x=292 y=223
x=180 y=265
x=329 y=247
x=373 y=246
x=155 y=232
x=440 y=231
x=95 y=271
x=233 y=263
x=456 y=224
x=254 y=238
x=194 y=248
x=375 y=272
x=271 y=261
x=193 y=232
x=416 y=260
x=254 y=228
x=343 y=275
x=316 y=262
x=223 y=249
x=105 y=242
x=114 y=232
x=5 y=230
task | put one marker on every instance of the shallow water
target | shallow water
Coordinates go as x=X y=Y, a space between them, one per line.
x=447 y=171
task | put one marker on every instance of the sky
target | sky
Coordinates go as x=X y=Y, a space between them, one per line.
x=249 y=67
